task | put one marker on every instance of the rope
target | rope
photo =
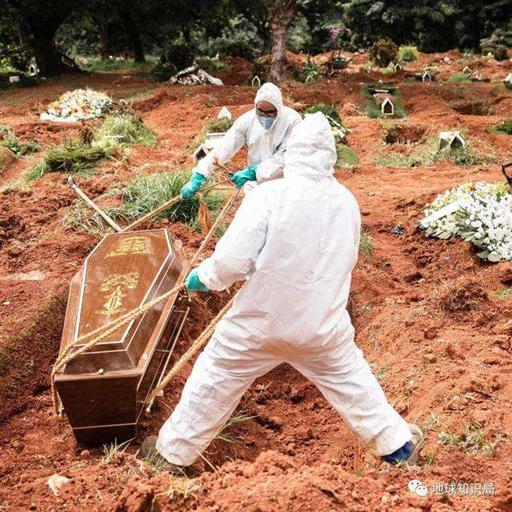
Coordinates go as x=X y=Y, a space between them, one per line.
x=107 y=329
x=198 y=343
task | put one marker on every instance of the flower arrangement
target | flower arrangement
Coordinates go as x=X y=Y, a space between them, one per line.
x=480 y=213
x=78 y=105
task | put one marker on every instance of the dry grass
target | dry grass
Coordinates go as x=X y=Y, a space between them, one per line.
x=460 y=296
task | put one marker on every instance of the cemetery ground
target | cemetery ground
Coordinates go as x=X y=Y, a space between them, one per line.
x=432 y=318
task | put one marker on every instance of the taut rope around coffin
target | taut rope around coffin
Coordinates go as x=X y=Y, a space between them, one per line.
x=96 y=336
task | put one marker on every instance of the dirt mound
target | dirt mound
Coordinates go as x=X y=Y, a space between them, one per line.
x=405 y=134
x=462 y=295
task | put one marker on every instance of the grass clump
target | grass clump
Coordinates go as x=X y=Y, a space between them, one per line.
x=504 y=294
x=113 y=452
x=219 y=125
x=345 y=156
x=403 y=161
x=429 y=154
x=82 y=155
x=366 y=245
x=74 y=157
x=226 y=436
x=122 y=130
x=463 y=156
x=310 y=73
x=472 y=441
x=504 y=128
x=141 y=196
x=408 y=53
x=458 y=78
x=10 y=141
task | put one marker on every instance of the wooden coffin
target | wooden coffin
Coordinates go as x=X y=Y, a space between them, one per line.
x=103 y=390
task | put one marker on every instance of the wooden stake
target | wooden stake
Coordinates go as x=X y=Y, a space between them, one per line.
x=93 y=205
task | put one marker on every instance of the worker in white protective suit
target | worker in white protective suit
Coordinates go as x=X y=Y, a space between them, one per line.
x=264 y=129
x=295 y=241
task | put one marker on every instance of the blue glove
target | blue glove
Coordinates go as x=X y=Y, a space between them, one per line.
x=194 y=283
x=240 y=178
x=193 y=185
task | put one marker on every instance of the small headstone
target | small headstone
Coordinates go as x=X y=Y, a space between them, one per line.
x=200 y=152
x=14 y=79
x=426 y=77
x=451 y=140
x=387 y=107
x=211 y=140
x=33 y=70
x=256 y=82
x=224 y=114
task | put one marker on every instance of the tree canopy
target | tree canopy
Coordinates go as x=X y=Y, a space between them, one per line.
x=53 y=31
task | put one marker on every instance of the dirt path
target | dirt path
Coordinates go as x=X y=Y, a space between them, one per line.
x=426 y=312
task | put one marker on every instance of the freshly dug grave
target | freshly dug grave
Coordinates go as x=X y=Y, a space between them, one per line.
x=288 y=450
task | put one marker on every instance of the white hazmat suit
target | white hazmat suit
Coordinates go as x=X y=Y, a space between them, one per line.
x=296 y=242
x=266 y=148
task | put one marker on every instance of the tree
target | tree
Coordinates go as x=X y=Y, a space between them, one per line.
x=280 y=14
x=124 y=9
x=38 y=22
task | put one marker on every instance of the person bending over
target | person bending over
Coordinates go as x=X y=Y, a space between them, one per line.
x=264 y=130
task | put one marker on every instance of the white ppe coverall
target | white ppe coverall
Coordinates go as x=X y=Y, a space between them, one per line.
x=295 y=240
x=266 y=148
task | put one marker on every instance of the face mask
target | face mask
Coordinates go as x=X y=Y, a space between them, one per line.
x=266 y=121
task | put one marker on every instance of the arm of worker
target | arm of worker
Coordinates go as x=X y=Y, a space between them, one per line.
x=227 y=147
x=236 y=253
x=272 y=168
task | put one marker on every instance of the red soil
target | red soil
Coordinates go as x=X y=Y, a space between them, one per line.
x=426 y=312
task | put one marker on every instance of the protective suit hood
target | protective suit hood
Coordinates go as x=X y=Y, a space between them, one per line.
x=271 y=93
x=311 y=150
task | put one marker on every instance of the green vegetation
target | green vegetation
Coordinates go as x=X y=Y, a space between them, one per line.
x=225 y=435
x=345 y=156
x=464 y=156
x=504 y=128
x=10 y=141
x=366 y=245
x=214 y=126
x=73 y=157
x=82 y=156
x=504 y=294
x=408 y=53
x=122 y=130
x=458 y=78
x=373 y=109
x=310 y=72
x=113 y=451
x=429 y=153
x=327 y=110
x=211 y=64
x=472 y=441
x=383 y=52
x=141 y=196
